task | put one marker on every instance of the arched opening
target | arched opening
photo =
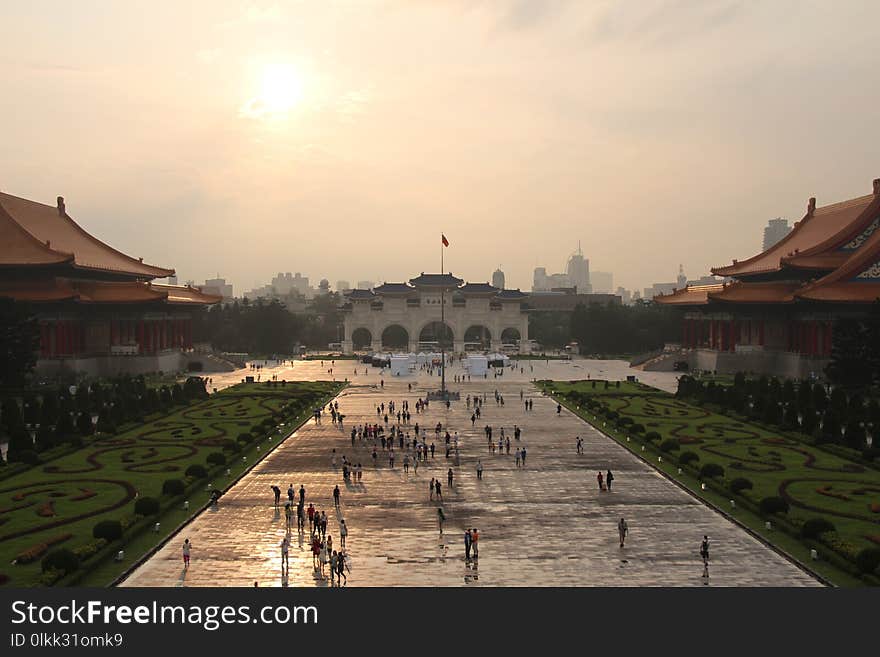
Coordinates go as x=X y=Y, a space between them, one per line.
x=477 y=338
x=436 y=335
x=510 y=336
x=395 y=337
x=361 y=338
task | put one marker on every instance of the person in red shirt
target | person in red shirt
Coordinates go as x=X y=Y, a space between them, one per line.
x=311 y=512
x=475 y=545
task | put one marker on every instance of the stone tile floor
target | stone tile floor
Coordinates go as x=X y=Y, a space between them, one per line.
x=543 y=525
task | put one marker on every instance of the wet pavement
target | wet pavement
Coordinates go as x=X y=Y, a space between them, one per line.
x=546 y=524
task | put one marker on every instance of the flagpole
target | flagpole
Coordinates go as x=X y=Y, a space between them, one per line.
x=443 y=329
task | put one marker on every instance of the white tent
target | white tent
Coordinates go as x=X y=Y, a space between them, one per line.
x=400 y=365
x=477 y=365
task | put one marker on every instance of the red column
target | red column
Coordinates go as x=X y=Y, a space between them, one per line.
x=733 y=336
x=828 y=338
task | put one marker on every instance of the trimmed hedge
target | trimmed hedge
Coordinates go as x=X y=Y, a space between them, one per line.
x=146 y=506
x=868 y=560
x=740 y=484
x=216 y=458
x=815 y=526
x=61 y=559
x=773 y=504
x=196 y=471
x=109 y=530
x=651 y=436
x=670 y=445
x=711 y=471
x=688 y=457
x=173 y=487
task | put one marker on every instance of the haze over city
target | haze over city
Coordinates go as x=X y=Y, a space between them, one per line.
x=341 y=139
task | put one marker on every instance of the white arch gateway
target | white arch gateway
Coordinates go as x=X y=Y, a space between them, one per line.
x=477 y=316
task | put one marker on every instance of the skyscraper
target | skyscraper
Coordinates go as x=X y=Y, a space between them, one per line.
x=578 y=270
x=498 y=278
x=776 y=229
x=602 y=282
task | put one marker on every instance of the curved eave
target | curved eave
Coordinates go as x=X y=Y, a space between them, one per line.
x=756 y=293
x=849 y=293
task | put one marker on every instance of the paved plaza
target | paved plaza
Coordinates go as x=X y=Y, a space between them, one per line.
x=543 y=525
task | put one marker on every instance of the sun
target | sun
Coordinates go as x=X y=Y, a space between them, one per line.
x=279 y=91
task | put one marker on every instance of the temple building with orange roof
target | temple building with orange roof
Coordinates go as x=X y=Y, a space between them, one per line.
x=98 y=309
x=777 y=314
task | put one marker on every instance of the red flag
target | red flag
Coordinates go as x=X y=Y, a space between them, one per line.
x=445 y=241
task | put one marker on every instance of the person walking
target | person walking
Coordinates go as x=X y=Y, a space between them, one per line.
x=467 y=544
x=449 y=477
x=288 y=516
x=187 y=546
x=336 y=496
x=440 y=518
x=341 y=579
x=600 y=478
x=439 y=490
x=285 y=548
x=277 y=491
x=432 y=490
x=704 y=553
x=622 y=529
x=479 y=470
x=475 y=546
x=343 y=533
x=302 y=493
x=608 y=479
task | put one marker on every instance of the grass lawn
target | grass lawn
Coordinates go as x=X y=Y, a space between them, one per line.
x=58 y=503
x=814 y=482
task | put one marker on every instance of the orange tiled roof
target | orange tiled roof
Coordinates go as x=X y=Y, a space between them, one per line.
x=819 y=226
x=50 y=225
x=855 y=281
x=740 y=292
x=20 y=248
x=692 y=295
x=184 y=294
x=114 y=292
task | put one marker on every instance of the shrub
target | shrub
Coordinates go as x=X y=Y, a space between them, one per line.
x=651 y=436
x=711 y=471
x=216 y=458
x=244 y=438
x=61 y=559
x=146 y=506
x=670 y=445
x=626 y=421
x=868 y=560
x=173 y=487
x=637 y=428
x=815 y=526
x=740 y=484
x=688 y=457
x=28 y=456
x=196 y=471
x=774 y=504
x=109 y=530
x=229 y=445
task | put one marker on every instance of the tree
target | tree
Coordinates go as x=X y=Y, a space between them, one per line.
x=851 y=354
x=19 y=342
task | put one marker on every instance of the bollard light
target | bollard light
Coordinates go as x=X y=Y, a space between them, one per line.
x=768 y=525
x=120 y=555
x=702 y=486
x=659 y=459
x=732 y=504
x=679 y=471
x=186 y=505
x=643 y=448
x=244 y=458
x=627 y=439
x=156 y=527
x=814 y=555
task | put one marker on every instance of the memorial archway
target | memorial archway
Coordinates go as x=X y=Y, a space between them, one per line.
x=477 y=337
x=361 y=338
x=436 y=335
x=510 y=336
x=395 y=337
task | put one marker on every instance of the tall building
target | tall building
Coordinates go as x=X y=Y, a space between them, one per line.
x=776 y=229
x=625 y=296
x=602 y=281
x=539 y=280
x=578 y=271
x=218 y=287
x=498 y=279
x=342 y=286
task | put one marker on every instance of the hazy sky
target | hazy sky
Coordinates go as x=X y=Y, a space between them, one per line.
x=339 y=139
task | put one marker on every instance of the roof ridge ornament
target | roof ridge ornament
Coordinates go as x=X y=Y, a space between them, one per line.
x=876 y=186
x=60 y=205
x=811 y=206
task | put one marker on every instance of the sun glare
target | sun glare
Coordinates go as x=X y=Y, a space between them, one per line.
x=278 y=92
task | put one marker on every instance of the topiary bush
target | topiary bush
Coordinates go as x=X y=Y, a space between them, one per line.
x=670 y=445
x=146 y=506
x=651 y=436
x=637 y=428
x=216 y=458
x=774 y=504
x=61 y=559
x=173 y=487
x=740 y=484
x=688 y=457
x=109 y=530
x=711 y=471
x=196 y=471
x=244 y=438
x=815 y=526
x=868 y=560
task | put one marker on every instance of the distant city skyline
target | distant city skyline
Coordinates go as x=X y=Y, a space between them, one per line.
x=280 y=135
